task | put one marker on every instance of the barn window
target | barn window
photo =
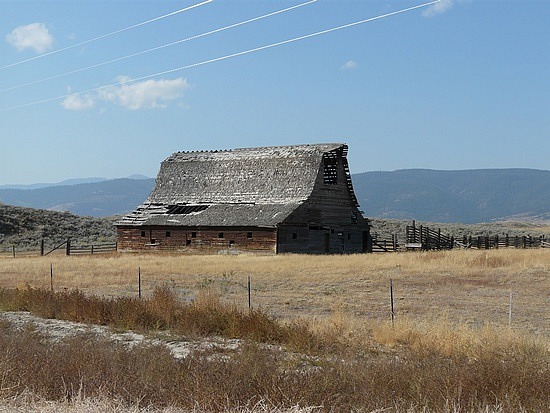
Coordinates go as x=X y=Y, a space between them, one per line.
x=186 y=209
x=188 y=242
x=231 y=243
x=330 y=171
x=143 y=234
x=168 y=234
x=220 y=235
x=249 y=235
x=294 y=235
x=193 y=235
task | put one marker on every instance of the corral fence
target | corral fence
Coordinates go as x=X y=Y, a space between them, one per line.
x=416 y=238
x=423 y=238
x=495 y=241
x=385 y=245
x=67 y=246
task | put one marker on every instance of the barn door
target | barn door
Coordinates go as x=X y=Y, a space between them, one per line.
x=327 y=242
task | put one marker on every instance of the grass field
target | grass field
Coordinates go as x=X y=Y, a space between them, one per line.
x=325 y=319
x=470 y=287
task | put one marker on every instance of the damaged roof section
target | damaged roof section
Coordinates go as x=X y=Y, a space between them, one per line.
x=240 y=187
x=231 y=215
x=252 y=175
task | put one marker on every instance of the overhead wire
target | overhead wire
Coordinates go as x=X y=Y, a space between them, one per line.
x=231 y=26
x=106 y=35
x=225 y=57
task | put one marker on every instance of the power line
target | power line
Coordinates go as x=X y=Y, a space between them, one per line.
x=106 y=35
x=231 y=26
x=229 y=56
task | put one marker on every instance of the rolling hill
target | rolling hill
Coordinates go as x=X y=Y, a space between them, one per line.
x=25 y=227
x=97 y=199
x=466 y=196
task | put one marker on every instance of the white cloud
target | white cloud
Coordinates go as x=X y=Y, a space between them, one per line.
x=32 y=36
x=438 y=8
x=78 y=102
x=350 y=65
x=149 y=94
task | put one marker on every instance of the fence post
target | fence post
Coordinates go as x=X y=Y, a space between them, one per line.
x=510 y=311
x=249 y=295
x=13 y=248
x=51 y=276
x=391 y=301
x=68 y=250
x=42 y=247
x=139 y=282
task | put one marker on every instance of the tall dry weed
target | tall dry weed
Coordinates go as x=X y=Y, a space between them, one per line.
x=414 y=368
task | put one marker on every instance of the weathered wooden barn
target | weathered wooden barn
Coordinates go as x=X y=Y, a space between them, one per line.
x=297 y=199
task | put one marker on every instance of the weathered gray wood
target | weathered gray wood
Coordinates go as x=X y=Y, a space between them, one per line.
x=291 y=198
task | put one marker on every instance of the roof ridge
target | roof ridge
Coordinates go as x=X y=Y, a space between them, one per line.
x=260 y=148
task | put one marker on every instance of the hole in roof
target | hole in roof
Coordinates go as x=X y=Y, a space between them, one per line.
x=186 y=209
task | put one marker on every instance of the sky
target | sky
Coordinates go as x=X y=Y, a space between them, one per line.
x=110 y=88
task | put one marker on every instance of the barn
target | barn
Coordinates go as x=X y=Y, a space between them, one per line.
x=279 y=199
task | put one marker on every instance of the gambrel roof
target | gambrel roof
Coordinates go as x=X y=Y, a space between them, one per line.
x=240 y=187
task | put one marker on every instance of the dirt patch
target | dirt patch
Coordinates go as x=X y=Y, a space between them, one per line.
x=60 y=329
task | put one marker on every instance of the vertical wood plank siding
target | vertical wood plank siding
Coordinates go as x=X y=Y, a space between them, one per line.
x=328 y=221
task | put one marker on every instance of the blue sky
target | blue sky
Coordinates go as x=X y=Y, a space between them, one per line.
x=88 y=88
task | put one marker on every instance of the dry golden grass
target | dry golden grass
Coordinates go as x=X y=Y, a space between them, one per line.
x=340 y=362
x=410 y=367
x=469 y=287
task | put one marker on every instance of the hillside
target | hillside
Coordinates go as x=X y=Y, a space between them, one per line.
x=25 y=227
x=469 y=196
x=98 y=199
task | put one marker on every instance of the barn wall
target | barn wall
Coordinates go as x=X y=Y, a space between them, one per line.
x=328 y=221
x=197 y=240
x=325 y=240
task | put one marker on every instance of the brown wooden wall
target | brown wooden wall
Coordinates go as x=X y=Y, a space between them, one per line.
x=328 y=221
x=197 y=240
x=321 y=240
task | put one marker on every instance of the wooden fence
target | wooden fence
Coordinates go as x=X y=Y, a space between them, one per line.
x=385 y=245
x=68 y=247
x=495 y=241
x=92 y=249
x=423 y=238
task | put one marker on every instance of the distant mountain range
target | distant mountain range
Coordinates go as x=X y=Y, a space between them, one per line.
x=467 y=196
x=67 y=182
x=98 y=198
